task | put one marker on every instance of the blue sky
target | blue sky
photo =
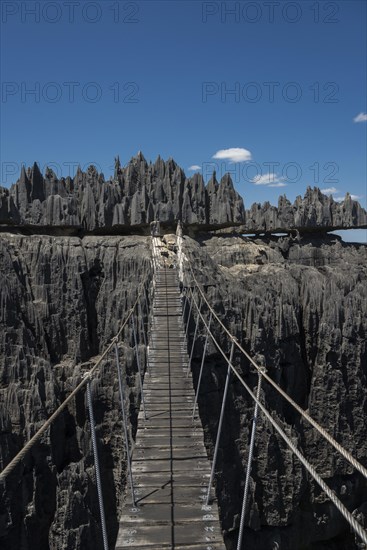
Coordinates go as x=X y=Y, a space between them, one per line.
x=116 y=77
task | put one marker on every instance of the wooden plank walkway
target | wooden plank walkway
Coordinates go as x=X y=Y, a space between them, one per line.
x=170 y=465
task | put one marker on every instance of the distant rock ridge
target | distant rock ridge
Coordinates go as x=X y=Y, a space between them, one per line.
x=314 y=211
x=142 y=192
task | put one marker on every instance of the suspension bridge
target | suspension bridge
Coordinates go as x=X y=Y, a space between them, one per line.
x=170 y=500
x=170 y=467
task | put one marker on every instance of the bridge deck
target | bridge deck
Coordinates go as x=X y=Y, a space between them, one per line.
x=170 y=465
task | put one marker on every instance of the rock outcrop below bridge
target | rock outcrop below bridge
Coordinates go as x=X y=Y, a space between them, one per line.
x=297 y=305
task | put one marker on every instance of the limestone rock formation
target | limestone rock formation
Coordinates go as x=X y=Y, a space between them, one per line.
x=298 y=305
x=138 y=194
x=314 y=211
x=142 y=192
x=61 y=301
x=225 y=206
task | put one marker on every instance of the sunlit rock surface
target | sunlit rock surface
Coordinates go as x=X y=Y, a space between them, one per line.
x=297 y=303
x=142 y=192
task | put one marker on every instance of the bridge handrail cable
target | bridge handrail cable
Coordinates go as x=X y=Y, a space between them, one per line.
x=356 y=526
x=87 y=376
x=346 y=454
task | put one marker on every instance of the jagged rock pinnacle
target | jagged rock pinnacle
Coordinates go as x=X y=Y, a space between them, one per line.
x=141 y=193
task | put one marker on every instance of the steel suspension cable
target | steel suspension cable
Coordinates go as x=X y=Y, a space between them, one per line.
x=357 y=527
x=346 y=454
x=88 y=374
x=96 y=465
x=201 y=370
x=249 y=464
x=124 y=422
x=139 y=368
x=220 y=423
x=193 y=343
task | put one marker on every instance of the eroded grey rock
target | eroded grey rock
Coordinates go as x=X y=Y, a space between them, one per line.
x=61 y=302
x=299 y=306
x=143 y=192
x=315 y=211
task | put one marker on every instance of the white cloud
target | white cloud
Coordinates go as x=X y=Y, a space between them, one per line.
x=235 y=154
x=271 y=179
x=353 y=197
x=194 y=167
x=362 y=117
x=330 y=190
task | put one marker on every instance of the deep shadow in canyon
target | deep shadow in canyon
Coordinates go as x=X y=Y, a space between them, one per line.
x=298 y=305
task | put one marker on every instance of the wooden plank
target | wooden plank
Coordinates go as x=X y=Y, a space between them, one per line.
x=170 y=466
